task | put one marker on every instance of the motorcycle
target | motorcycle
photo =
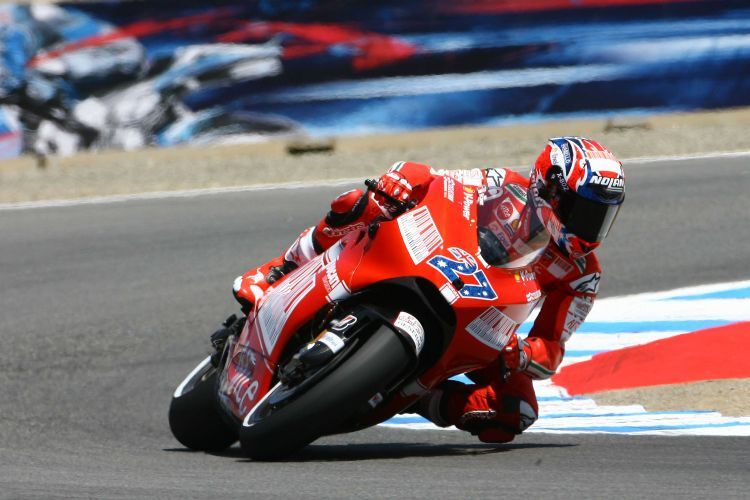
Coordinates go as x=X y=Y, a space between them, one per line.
x=361 y=332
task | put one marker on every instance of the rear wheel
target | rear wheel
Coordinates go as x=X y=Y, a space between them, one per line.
x=194 y=414
x=276 y=427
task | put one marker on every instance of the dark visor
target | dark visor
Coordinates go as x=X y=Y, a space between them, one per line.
x=587 y=219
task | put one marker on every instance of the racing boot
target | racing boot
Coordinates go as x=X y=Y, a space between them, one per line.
x=251 y=286
x=494 y=416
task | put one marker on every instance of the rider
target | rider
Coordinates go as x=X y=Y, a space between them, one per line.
x=574 y=192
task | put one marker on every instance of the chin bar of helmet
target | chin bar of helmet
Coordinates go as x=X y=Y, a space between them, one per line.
x=402 y=206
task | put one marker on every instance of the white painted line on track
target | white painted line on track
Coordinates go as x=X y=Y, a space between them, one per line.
x=189 y=193
x=699 y=156
x=639 y=161
x=159 y=195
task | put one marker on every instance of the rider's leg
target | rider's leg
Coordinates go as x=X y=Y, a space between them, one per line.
x=495 y=411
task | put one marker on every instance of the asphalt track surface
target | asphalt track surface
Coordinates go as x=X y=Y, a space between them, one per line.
x=104 y=308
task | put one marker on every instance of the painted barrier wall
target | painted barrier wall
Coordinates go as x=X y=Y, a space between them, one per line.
x=130 y=74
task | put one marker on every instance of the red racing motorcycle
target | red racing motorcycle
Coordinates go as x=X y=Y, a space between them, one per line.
x=361 y=332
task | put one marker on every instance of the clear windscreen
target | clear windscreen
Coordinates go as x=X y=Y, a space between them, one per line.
x=510 y=234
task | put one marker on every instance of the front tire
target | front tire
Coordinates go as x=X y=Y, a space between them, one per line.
x=269 y=433
x=194 y=414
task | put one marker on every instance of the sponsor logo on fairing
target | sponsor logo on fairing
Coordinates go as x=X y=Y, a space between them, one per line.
x=248 y=396
x=241 y=398
x=244 y=361
x=278 y=305
x=492 y=328
x=533 y=296
x=468 y=202
x=420 y=234
x=331 y=280
x=449 y=188
x=525 y=276
x=333 y=284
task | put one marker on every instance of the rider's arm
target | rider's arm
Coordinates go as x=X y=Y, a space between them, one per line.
x=571 y=288
x=355 y=209
x=349 y=211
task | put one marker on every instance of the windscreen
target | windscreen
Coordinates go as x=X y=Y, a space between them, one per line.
x=510 y=234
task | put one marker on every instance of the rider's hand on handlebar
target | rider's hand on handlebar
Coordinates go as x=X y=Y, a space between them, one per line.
x=395 y=187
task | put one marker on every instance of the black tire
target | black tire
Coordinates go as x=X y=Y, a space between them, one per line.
x=195 y=417
x=330 y=402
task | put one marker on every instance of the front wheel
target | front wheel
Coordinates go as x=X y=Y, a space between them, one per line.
x=271 y=431
x=194 y=414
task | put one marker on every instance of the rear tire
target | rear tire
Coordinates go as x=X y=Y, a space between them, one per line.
x=327 y=404
x=195 y=417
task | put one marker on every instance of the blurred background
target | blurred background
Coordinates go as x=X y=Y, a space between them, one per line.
x=121 y=231
x=125 y=75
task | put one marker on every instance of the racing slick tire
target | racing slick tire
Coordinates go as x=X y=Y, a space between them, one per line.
x=194 y=414
x=270 y=434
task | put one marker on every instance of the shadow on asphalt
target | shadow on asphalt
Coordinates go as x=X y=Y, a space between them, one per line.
x=383 y=451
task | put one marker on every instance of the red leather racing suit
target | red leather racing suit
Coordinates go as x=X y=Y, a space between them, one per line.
x=494 y=408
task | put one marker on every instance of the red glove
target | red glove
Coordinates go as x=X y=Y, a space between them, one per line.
x=395 y=185
x=516 y=355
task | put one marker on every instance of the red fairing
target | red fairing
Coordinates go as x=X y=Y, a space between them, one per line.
x=436 y=240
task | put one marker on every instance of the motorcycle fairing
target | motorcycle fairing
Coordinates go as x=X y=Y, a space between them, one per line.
x=413 y=245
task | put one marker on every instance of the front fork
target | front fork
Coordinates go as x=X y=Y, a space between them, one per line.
x=230 y=328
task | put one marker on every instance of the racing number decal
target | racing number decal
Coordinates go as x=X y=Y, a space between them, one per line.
x=464 y=265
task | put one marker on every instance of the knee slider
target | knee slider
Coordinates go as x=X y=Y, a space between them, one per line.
x=527 y=415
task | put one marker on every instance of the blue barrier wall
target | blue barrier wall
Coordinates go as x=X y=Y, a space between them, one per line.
x=138 y=73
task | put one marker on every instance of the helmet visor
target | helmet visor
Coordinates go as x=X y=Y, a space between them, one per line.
x=587 y=219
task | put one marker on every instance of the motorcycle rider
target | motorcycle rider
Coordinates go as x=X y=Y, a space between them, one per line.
x=574 y=192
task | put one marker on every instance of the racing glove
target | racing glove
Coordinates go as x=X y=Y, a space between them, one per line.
x=515 y=356
x=392 y=188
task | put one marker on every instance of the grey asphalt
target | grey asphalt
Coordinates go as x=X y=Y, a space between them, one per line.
x=104 y=308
